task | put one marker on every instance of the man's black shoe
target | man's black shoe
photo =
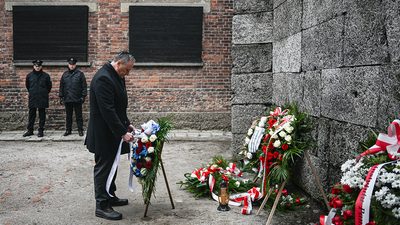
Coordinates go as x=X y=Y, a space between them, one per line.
x=108 y=213
x=28 y=133
x=115 y=201
x=80 y=133
x=40 y=134
x=68 y=132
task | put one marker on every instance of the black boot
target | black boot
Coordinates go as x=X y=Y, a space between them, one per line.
x=28 y=133
x=108 y=213
x=80 y=133
x=40 y=134
x=68 y=132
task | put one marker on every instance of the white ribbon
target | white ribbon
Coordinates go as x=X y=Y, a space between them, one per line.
x=256 y=139
x=113 y=169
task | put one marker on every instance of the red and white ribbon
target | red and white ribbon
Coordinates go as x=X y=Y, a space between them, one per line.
x=387 y=142
x=234 y=170
x=327 y=220
x=362 y=210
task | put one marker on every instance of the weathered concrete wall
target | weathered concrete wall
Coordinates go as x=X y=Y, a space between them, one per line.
x=337 y=59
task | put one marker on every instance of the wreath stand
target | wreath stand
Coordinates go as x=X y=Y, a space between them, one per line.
x=281 y=188
x=166 y=182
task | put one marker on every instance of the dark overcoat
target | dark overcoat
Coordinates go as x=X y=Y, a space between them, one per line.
x=108 y=121
x=73 y=86
x=39 y=86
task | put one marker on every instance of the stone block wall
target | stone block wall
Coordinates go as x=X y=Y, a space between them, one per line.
x=193 y=94
x=338 y=60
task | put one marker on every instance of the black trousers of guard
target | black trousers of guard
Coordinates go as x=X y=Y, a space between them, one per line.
x=69 y=108
x=32 y=117
x=101 y=171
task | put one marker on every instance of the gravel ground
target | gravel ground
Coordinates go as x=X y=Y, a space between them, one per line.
x=52 y=183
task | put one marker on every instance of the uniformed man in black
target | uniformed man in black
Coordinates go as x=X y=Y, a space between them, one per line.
x=39 y=85
x=73 y=91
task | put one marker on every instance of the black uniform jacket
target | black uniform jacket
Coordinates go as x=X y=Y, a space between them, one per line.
x=73 y=86
x=39 y=86
x=108 y=121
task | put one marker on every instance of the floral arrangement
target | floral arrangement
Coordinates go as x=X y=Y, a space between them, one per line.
x=146 y=153
x=242 y=191
x=347 y=195
x=284 y=136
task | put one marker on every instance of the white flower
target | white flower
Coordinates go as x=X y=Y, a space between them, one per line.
x=150 y=150
x=237 y=183
x=396 y=184
x=282 y=134
x=288 y=138
x=134 y=168
x=387 y=177
x=396 y=212
x=148 y=159
x=143 y=171
x=379 y=195
x=254 y=169
x=261 y=124
x=153 y=137
x=271 y=132
x=289 y=129
x=390 y=199
x=250 y=132
x=277 y=144
x=249 y=155
x=247 y=140
x=275 y=136
x=145 y=140
x=263 y=119
x=141 y=181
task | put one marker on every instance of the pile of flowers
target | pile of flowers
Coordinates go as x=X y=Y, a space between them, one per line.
x=349 y=194
x=274 y=143
x=146 y=153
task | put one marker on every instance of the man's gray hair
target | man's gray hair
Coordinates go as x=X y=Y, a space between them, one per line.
x=124 y=57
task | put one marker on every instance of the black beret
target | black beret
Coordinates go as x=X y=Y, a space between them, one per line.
x=37 y=62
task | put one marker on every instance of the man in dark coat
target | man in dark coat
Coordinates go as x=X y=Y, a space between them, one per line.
x=39 y=85
x=73 y=91
x=108 y=123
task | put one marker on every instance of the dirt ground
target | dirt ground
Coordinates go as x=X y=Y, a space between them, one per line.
x=52 y=183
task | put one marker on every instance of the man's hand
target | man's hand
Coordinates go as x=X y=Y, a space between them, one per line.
x=61 y=101
x=82 y=99
x=128 y=137
x=131 y=128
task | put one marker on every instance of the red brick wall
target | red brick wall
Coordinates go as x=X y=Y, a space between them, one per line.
x=150 y=89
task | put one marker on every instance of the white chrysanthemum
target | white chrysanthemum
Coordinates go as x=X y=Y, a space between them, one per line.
x=261 y=124
x=237 y=183
x=390 y=199
x=277 y=144
x=153 y=137
x=143 y=171
x=347 y=165
x=282 y=134
x=148 y=159
x=250 y=132
x=396 y=183
x=379 y=195
x=150 y=150
x=397 y=167
x=288 y=138
x=387 y=177
x=249 y=155
x=145 y=139
x=396 y=212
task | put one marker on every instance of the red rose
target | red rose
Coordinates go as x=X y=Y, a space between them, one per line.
x=139 y=165
x=338 y=204
x=298 y=201
x=333 y=199
x=148 y=165
x=347 y=189
x=285 y=146
x=336 y=219
x=148 y=145
x=347 y=214
x=335 y=191
x=284 y=192
x=271 y=122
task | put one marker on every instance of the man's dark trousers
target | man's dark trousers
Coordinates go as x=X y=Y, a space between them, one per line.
x=69 y=108
x=32 y=117
x=101 y=171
